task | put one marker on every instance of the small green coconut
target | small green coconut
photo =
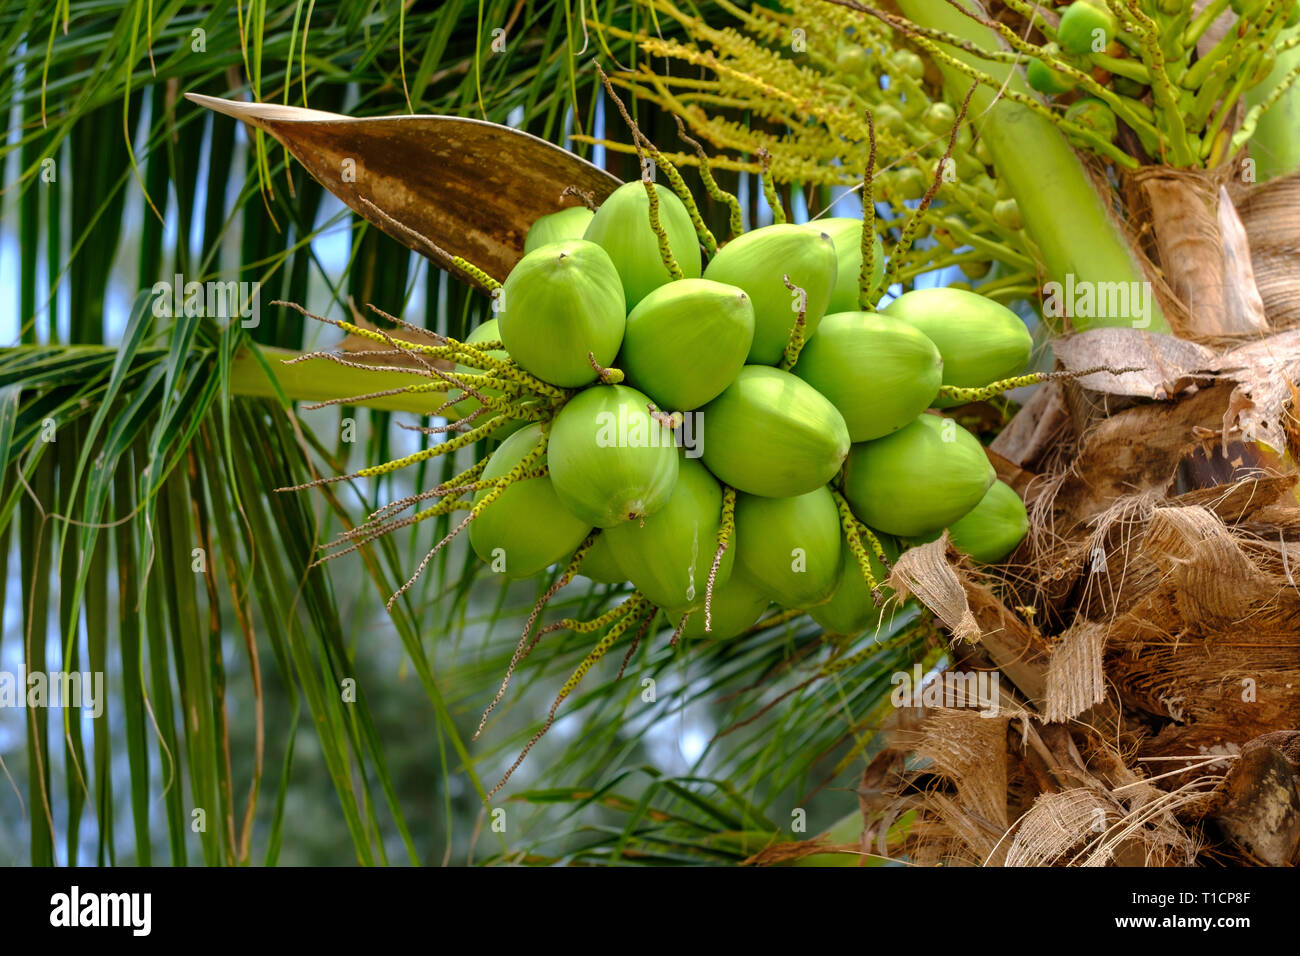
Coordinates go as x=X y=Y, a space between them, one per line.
x=852 y=609
x=563 y=304
x=771 y=433
x=568 y=223
x=879 y=373
x=610 y=461
x=736 y=607
x=790 y=546
x=981 y=341
x=527 y=529
x=846 y=234
x=757 y=262
x=994 y=527
x=918 y=480
x=668 y=555
x=686 y=341
x=622 y=228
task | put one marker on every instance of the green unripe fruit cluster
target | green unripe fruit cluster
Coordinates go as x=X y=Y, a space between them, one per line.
x=704 y=433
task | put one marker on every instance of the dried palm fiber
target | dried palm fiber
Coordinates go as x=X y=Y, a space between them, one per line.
x=1165 y=632
x=1194 y=232
x=1270 y=213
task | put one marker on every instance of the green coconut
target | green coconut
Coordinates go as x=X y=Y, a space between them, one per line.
x=561 y=301
x=1087 y=26
x=921 y=478
x=622 y=228
x=686 y=341
x=790 y=546
x=1047 y=80
x=994 y=527
x=879 y=372
x=771 y=433
x=852 y=609
x=568 y=223
x=599 y=563
x=527 y=529
x=981 y=341
x=735 y=608
x=757 y=261
x=668 y=555
x=846 y=234
x=468 y=404
x=610 y=461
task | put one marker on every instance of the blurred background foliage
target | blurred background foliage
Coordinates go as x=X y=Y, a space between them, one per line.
x=143 y=536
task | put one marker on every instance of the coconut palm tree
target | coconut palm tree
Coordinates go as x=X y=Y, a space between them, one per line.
x=145 y=449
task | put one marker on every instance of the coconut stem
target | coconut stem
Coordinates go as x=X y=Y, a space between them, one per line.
x=985 y=392
x=796 y=343
x=914 y=220
x=586 y=197
x=524 y=648
x=608 y=376
x=681 y=627
x=726 y=527
x=477 y=274
x=868 y=221
x=665 y=250
x=716 y=192
x=769 y=187
x=849 y=525
x=640 y=140
x=635 y=602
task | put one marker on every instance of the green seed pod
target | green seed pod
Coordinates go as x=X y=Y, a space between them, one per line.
x=939 y=117
x=1124 y=86
x=756 y=262
x=621 y=227
x=791 y=546
x=976 y=270
x=852 y=60
x=526 y=530
x=599 y=563
x=466 y=406
x=1247 y=8
x=1266 y=64
x=610 y=461
x=852 y=609
x=1095 y=115
x=980 y=340
x=736 y=607
x=1006 y=213
x=909 y=183
x=919 y=479
x=561 y=301
x=879 y=373
x=771 y=433
x=846 y=234
x=1046 y=80
x=888 y=117
x=686 y=341
x=568 y=223
x=994 y=527
x=968 y=165
x=906 y=63
x=982 y=153
x=668 y=555
x=1087 y=26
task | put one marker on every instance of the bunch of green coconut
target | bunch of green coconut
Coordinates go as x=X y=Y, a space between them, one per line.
x=730 y=434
